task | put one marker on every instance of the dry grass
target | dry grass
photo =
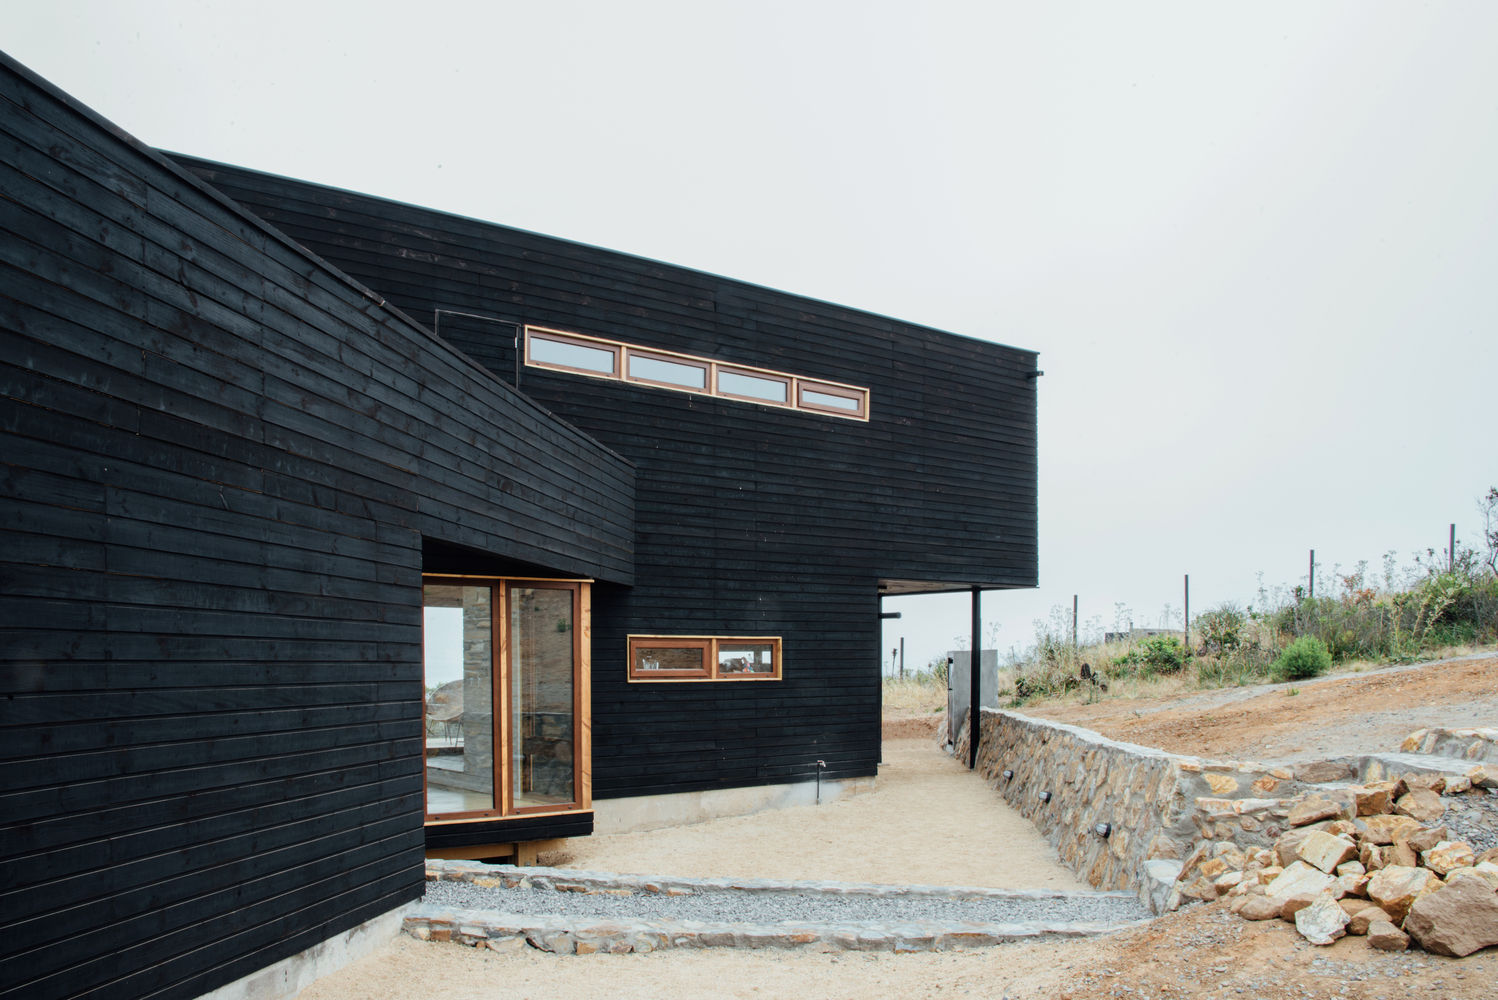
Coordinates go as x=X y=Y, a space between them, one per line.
x=923 y=694
x=1144 y=686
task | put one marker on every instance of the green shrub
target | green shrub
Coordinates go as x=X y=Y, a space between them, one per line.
x=1160 y=654
x=1305 y=657
x=1222 y=629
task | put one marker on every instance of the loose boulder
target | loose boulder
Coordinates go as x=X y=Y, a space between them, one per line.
x=1386 y=937
x=1300 y=879
x=1325 y=851
x=1387 y=829
x=1396 y=888
x=1457 y=919
x=1323 y=921
x=1421 y=805
x=1314 y=810
x=1366 y=918
x=1447 y=856
x=1259 y=908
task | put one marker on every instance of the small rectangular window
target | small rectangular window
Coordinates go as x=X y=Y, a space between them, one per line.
x=758 y=388
x=830 y=398
x=704 y=658
x=550 y=350
x=667 y=371
x=745 y=658
x=655 y=657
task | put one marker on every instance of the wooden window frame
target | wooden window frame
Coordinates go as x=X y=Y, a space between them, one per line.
x=576 y=340
x=710 y=645
x=501 y=697
x=685 y=360
x=859 y=397
x=789 y=382
x=622 y=352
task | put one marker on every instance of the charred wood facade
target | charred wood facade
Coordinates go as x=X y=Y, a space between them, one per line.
x=750 y=519
x=220 y=464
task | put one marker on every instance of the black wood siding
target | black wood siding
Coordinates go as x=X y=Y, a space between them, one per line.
x=220 y=461
x=750 y=520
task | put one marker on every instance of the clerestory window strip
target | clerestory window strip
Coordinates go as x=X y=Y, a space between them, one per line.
x=597 y=357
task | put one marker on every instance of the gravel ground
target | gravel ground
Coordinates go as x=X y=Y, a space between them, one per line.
x=776 y=907
x=1474 y=818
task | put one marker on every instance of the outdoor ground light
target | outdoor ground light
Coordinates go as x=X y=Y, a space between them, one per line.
x=1008 y=774
x=1103 y=829
x=1045 y=796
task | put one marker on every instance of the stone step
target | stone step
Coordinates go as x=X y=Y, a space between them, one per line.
x=1474 y=746
x=1396 y=763
x=505 y=907
x=581 y=935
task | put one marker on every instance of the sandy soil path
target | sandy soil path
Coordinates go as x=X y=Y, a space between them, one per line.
x=912 y=826
x=928 y=822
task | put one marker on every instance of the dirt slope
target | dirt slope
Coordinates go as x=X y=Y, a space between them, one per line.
x=1320 y=718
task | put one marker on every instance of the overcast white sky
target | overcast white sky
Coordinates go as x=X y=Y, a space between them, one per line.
x=1256 y=243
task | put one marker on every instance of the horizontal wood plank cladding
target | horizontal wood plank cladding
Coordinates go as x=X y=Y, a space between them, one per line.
x=749 y=519
x=221 y=461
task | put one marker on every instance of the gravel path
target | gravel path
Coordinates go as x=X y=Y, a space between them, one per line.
x=779 y=906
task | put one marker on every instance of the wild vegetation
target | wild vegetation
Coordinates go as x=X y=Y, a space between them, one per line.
x=919 y=693
x=1441 y=603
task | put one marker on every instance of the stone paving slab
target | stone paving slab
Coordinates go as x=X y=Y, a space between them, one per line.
x=567 y=880
x=583 y=936
x=587 y=934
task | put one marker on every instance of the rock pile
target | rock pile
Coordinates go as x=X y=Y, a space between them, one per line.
x=1371 y=859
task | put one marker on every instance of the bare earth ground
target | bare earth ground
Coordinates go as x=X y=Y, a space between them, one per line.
x=915 y=828
x=1325 y=717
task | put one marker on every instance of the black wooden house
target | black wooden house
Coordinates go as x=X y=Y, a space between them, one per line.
x=339 y=531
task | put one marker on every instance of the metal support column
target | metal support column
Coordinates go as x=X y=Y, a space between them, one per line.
x=975 y=674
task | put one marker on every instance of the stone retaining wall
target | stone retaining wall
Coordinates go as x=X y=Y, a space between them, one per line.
x=1159 y=807
x=1464 y=744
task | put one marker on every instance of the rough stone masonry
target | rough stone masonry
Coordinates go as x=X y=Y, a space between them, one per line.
x=1324 y=843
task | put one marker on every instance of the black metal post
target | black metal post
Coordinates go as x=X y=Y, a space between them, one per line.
x=1186 y=618
x=1311 y=576
x=974 y=688
x=902 y=657
x=1074 y=621
x=1451 y=552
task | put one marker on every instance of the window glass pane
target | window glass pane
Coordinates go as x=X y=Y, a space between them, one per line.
x=745 y=658
x=572 y=355
x=541 y=684
x=737 y=384
x=459 y=655
x=671 y=372
x=814 y=397
x=663 y=658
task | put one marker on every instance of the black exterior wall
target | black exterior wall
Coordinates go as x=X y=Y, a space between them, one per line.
x=750 y=519
x=221 y=462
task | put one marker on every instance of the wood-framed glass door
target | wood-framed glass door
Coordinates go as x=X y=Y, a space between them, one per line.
x=506 y=721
